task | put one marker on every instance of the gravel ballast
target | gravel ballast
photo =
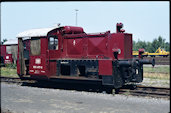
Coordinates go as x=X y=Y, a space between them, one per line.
x=23 y=99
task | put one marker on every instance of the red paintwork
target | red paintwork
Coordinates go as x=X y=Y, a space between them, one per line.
x=71 y=29
x=3 y=50
x=81 y=46
x=141 y=51
x=123 y=42
x=105 y=67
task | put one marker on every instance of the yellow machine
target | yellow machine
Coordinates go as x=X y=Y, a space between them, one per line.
x=136 y=53
x=159 y=52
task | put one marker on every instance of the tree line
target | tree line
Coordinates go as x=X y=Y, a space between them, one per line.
x=152 y=46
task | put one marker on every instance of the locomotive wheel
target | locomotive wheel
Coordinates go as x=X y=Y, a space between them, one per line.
x=116 y=91
x=109 y=90
x=133 y=86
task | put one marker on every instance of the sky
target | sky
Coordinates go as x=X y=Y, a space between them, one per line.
x=145 y=20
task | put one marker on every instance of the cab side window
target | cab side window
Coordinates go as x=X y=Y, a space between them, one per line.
x=35 y=46
x=53 y=43
x=8 y=49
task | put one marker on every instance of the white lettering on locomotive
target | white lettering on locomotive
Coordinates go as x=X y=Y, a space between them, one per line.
x=74 y=42
x=43 y=71
x=38 y=67
x=31 y=70
x=37 y=71
x=64 y=62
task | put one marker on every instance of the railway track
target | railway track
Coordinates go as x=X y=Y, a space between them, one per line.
x=139 y=90
x=160 y=60
x=15 y=80
x=146 y=91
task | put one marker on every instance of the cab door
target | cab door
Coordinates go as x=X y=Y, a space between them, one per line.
x=53 y=53
x=37 y=63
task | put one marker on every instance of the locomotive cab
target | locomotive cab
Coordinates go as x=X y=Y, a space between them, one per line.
x=9 y=52
x=32 y=51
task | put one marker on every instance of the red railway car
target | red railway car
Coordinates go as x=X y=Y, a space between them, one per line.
x=9 y=50
x=68 y=53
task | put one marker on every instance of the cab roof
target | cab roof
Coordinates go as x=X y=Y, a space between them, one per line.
x=35 y=32
x=11 y=42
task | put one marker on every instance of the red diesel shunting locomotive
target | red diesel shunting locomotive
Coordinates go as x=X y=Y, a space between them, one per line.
x=68 y=53
x=9 y=50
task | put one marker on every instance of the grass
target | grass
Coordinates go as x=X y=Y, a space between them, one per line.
x=9 y=71
x=161 y=76
x=160 y=72
x=161 y=69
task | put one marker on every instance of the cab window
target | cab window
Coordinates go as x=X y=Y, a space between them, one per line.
x=35 y=46
x=53 y=43
x=8 y=49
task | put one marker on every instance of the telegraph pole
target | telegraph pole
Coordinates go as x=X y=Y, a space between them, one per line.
x=76 y=15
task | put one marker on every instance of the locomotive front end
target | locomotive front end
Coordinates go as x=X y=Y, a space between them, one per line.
x=126 y=68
